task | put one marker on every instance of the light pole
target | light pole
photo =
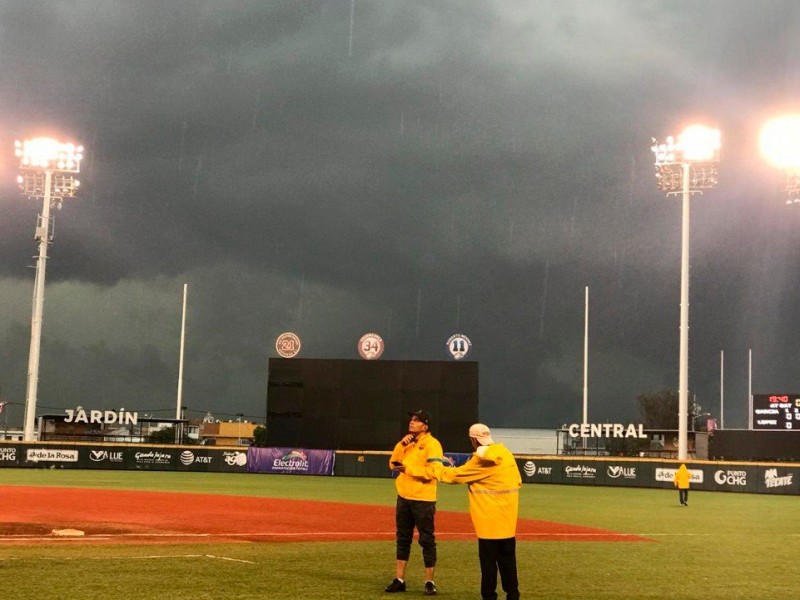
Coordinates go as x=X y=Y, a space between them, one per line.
x=47 y=171
x=780 y=144
x=686 y=166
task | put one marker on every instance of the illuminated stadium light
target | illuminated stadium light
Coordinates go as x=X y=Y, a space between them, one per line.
x=698 y=146
x=48 y=170
x=779 y=142
x=686 y=165
x=46 y=153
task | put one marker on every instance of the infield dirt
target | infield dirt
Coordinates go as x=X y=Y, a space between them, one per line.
x=32 y=514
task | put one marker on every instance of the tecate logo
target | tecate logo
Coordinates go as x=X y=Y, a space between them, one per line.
x=529 y=468
x=187 y=457
x=772 y=479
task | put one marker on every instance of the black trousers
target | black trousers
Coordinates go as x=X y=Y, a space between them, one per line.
x=683 y=496
x=409 y=514
x=498 y=555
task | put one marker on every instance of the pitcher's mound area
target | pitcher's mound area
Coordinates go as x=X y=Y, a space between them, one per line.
x=67 y=515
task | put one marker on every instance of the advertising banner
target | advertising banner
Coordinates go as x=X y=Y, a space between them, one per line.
x=626 y=473
x=361 y=464
x=538 y=470
x=778 y=480
x=123 y=457
x=581 y=472
x=295 y=461
x=9 y=456
x=729 y=478
x=663 y=476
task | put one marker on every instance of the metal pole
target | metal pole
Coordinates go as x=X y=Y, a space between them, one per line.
x=586 y=359
x=750 y=388
x=585 y=362
x=721 y=389
x=43 y=237
x=683 y=371
x=180 y=360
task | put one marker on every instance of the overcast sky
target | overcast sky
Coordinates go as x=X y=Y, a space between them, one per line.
x=414 y=169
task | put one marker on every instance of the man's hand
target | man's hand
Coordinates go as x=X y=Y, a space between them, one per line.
x=408 y=438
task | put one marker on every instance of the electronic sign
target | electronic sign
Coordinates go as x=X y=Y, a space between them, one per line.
x=776 y=411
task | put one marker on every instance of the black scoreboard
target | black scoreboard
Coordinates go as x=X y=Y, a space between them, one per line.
x=356 y=404
x=776 y=411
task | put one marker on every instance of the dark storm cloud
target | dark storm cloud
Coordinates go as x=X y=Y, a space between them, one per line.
x=411 y=168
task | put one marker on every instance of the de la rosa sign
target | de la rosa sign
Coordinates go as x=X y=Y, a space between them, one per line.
x=606 y=430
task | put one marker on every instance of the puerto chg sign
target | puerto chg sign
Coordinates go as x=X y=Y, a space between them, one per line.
x=104 y=417
x=606 y=430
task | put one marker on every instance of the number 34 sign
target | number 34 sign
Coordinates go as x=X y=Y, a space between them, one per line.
x=370 y=346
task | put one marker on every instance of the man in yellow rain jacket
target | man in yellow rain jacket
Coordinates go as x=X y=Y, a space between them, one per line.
x=494 y=483
x=416 y=499
x=681 y=480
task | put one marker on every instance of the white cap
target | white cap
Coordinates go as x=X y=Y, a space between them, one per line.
x=481 y=432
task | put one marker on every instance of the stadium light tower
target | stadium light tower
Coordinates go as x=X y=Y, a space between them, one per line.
x=780 y=144
x=686 y=165
x=48 y=171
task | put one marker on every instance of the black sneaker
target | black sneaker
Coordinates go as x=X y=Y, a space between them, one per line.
x=397 y=586
x=430 y=588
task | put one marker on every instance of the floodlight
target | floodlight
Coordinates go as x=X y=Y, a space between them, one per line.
x=47 y=172
x=686 y=165
x=699 y=143
x=779 y=142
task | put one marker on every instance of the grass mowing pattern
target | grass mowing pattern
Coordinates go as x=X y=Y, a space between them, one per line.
x=723 y=546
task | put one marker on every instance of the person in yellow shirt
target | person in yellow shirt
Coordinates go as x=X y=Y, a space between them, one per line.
x=494 y=483
x=681 y=480
x=416 y=499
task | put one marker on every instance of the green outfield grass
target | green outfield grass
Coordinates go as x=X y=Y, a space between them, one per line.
x=723 y=546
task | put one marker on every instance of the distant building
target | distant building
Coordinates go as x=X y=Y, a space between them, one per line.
x=12 y=434
x=226 y=433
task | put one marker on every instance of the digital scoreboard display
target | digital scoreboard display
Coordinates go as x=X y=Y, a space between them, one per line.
x=776 y=411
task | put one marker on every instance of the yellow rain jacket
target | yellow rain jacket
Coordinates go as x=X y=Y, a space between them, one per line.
x=421 y=485
x=494 y=483
x=682 y=478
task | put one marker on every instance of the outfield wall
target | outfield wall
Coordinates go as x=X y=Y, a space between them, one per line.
x=762 y=478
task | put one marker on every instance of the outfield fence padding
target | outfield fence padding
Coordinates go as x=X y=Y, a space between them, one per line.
x=762 y=477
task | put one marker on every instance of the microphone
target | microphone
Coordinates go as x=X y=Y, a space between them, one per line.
x=406 y=442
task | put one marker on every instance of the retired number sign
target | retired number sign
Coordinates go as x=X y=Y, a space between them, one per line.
x=288 y=345
x=370 y=346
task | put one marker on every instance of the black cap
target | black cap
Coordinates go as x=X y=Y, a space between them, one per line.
x=422 y=415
